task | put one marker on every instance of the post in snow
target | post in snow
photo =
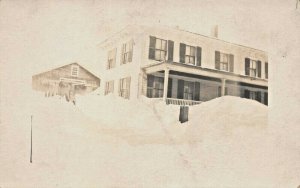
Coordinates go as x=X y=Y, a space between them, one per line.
x=31 y=141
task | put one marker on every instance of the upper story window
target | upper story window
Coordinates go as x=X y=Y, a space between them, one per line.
x=190 y=54
x=111 y=60
x=252 y=67
x=127 y=52
x=75 y=70
x=160 y=49
x=266 y=70
x=224 y=62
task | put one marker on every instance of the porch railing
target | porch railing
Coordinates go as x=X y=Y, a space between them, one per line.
x=182 y=102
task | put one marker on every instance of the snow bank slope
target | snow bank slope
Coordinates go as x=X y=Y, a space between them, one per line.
x=148 y=116
x=226 y=116
x=230 y=141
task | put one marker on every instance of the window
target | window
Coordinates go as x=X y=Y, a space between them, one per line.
x=75 y=70
x=109 y=87
x=127 y=51
x=224 y=62
x=190 y=55
x=111 y=60
x=254 y=95
x=252 y=67
x=158 y=49
x=188 y=90
x=124 y=87
x=220 y=91
x=155 y=87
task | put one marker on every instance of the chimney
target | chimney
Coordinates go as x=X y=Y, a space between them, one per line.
x=214 y=31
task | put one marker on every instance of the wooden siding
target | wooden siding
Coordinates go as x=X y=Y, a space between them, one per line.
x=50 y=81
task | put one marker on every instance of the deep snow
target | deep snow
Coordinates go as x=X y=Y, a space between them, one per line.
x=109 y=141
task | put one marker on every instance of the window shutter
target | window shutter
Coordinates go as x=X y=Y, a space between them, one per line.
x=217 y=60
x=247 y=66
x=266 y=70
x=122 y=56
x=169 y=95
x=115 y=57
x=197 y=91
x=266 y=98
x=180 y=89
x=259 y=69
x=120 y=86
x=106 y=88
x=247 y=94
x=182 y=53
x=170 y=50
x=231 y=63
x=107 y=64
x=128 y=79
x=152 y=47
x=131 y=51
x=258 y=96
x=199 y=54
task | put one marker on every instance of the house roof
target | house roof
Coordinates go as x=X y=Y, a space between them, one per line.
x=136 y=28
x=74 y=63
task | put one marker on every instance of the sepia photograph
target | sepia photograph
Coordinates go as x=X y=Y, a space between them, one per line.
x=133 y=93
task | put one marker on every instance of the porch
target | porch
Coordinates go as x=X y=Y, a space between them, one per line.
x=188 y=85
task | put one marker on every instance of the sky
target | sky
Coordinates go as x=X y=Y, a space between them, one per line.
x=37 y=34
x=43 y=34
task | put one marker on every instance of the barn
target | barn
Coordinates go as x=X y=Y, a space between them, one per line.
x=67 y=81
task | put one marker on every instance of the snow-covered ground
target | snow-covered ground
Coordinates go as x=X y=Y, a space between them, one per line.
x=111 y=142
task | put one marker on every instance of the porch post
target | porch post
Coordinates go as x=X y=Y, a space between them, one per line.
x=166 y=79
x=223 y=87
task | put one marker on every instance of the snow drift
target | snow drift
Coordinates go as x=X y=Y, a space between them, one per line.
x=98 y=141
x=227 y=116
x=149 y=118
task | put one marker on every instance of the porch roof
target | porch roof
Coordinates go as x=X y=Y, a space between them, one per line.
x=213 y=73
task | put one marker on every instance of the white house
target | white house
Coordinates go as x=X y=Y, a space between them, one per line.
x=181 y=67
